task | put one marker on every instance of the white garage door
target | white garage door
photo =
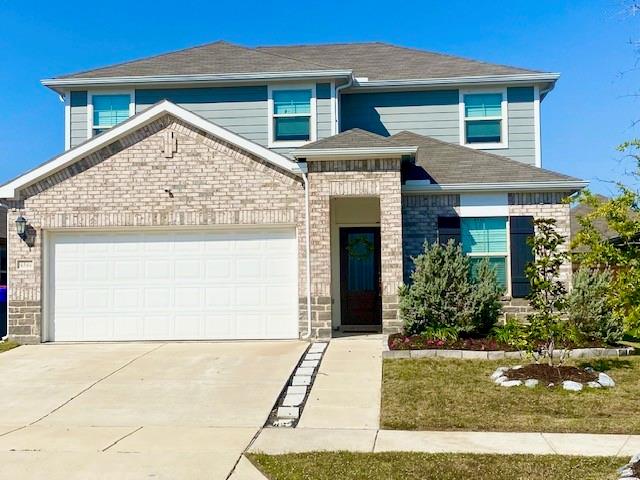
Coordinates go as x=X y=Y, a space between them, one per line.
x=182 y=285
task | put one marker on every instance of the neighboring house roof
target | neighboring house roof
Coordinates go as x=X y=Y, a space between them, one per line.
x=9 y=189
x=600 y=224
x=367 y=62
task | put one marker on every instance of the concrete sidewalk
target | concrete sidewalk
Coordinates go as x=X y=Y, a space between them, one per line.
x=347 y=389
x=279 y=441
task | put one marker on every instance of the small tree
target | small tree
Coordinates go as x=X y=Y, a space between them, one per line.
x=548 y=293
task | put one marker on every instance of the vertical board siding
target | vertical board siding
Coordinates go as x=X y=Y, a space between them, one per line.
x=436 y=114
x=78 y=108
x=432 y=113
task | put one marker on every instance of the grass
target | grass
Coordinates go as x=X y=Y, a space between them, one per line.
x=8 y=345
x=440 y=394
x=423 y=466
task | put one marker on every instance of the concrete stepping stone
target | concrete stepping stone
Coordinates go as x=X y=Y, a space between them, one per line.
x=309 y=363
x=288 y=412
x=300 y=380
x=297 y=390
x=292 y=400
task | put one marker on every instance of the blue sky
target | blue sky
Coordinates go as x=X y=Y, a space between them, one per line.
x=590 y=111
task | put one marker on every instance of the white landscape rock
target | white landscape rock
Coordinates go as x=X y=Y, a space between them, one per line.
x=593 y=385
x=498 y=373
x=531 y=383
x=605 y=380
x=511 y=383
x=500 y=380
x=572 y=386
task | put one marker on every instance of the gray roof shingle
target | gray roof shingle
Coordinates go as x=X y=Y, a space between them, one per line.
x=376 y=61
x=447 y=163
x=354 y=138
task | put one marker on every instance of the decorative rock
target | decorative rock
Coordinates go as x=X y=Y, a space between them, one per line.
x=288 y=412
x=625 y=472
x=511 y=383
x=500 y=380
x=593 y=385
x=571 y=386
x=551 y=385
x=498 y=373
x=517 y=367
x=531 y=383
x=605 y=380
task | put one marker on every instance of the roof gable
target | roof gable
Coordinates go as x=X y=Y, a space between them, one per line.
x=138 y=121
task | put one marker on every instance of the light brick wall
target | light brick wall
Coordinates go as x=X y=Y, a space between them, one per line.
x=355 y=178
x=123 y=185
x=420 y=223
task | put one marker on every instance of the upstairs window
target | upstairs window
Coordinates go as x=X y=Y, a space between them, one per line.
x=292 y=116
x=108 y=111
x=486 y=238
x=484 y=117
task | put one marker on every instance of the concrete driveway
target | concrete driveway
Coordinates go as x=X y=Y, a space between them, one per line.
x=136 y=410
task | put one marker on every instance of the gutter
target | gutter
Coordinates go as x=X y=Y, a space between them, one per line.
x=307 y=210
x=193 y=78
x=452 y=81
x=552 y=186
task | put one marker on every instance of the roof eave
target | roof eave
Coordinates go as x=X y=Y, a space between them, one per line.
x=60 y=84
x=520 y=78
x=548 y=186
x=354 y=152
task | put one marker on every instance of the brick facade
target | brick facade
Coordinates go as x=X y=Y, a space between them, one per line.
x=123 y=185
x=355 y=178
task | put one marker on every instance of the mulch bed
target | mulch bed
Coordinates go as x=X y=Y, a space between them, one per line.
x=636 y=469
x=399 y=341
x=548 y=374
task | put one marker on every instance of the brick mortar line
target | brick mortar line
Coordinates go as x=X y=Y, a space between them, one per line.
x=97 y=382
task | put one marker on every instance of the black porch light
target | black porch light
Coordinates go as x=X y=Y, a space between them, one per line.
x=21 y=227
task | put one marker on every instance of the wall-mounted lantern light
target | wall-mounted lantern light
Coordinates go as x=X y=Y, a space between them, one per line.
x=21 y=227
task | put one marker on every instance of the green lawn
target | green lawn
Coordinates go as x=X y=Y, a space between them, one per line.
x=441 y=394
x=8 y=345
x=423 y=466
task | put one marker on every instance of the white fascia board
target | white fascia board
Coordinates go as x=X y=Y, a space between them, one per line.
x=196 y=78
x=360 y=152
x=453 y=81
x=9 y=189
x=553 y=186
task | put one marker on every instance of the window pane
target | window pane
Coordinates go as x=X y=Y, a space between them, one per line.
x=109 y=110
x=484 y=235
x=483 y=131
x=498 y=264
x=291 y=128
x=291 y=101
x=483 y=105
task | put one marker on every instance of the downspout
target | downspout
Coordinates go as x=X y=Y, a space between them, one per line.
x=305 y=179
x=337 y=102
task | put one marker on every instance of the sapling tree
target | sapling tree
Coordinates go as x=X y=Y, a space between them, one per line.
x=548 y=295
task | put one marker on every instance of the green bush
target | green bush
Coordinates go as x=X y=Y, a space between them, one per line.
x=442 y=293
x=512 y=333
x=589 y=310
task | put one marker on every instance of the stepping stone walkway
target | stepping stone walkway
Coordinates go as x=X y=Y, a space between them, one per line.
x=292 y=401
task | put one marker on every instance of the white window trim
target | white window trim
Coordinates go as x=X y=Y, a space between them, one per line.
x=504 y=124
x=91 y=93
x=506 y=255
x=272 y=143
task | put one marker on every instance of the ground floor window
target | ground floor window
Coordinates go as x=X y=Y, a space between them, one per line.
x=486 y=238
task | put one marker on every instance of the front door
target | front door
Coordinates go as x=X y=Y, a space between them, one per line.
x=361 y=304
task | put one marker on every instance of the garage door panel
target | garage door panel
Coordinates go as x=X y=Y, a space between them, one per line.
x=156 y=285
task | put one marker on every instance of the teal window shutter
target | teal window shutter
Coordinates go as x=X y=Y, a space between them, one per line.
x=520 y=230
x=109 y=110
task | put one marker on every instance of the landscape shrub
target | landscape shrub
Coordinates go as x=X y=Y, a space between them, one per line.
x=589 y=310
x=443 y=294
x=512 y=333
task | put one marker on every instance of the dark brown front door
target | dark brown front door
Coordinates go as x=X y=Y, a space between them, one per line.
x=361 y=305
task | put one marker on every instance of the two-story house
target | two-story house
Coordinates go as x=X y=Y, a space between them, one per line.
x=225 y=192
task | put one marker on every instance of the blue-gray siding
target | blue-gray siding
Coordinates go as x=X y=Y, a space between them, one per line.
x=436 y=113
x=323 y=110
x=78 y=123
